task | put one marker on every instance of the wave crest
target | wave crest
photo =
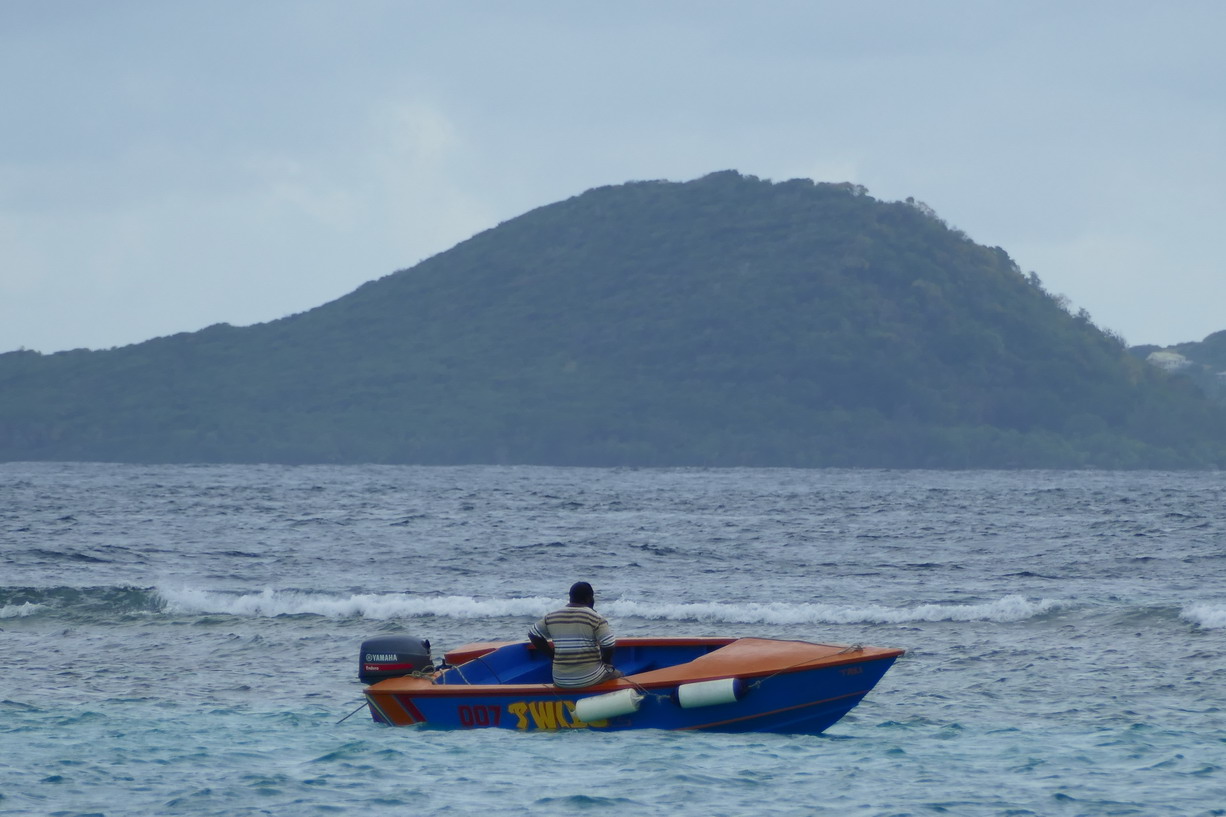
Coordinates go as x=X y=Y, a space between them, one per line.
x=20 y=610
x=1207 y=616
x=106 y=602
x=360 y=605
x=1007 y=609
x=388 y=606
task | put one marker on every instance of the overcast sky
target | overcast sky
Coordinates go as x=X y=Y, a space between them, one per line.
x=165 y=166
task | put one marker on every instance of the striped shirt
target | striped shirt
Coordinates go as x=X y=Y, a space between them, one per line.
x=578 y=632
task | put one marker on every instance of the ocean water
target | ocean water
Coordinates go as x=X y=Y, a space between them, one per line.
x=183 y=639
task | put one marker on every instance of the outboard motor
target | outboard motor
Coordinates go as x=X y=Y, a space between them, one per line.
x=392 y=656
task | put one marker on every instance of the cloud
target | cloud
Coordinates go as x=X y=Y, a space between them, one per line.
x=416 y=173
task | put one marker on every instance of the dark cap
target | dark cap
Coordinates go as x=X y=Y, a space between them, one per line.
x=582 y=592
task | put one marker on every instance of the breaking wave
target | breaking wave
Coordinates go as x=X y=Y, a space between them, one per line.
x=76 y=602
x=1007 y=609
x=387 y=606
x=1207 y=616
x=361 y=605
x=20 y=610
x=106 y=602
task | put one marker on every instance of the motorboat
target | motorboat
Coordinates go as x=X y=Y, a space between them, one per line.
x=711 y=683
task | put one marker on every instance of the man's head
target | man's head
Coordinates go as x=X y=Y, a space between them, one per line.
x=582 y=593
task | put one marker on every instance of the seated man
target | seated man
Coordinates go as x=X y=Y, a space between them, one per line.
x=583 y=642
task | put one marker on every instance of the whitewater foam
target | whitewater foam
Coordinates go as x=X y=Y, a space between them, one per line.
x=270 y=602
x=1207 y=616
x=1007 y=609
x=20 y=610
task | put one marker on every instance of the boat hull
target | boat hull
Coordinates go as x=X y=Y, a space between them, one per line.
x=791 y=687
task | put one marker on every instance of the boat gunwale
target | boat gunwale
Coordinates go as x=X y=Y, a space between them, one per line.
x=426 y=686
x=470 y=652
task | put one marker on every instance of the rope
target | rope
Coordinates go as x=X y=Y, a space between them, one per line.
x=458 y=672
x=844 y=651
x=354 y=712
x=646 y=693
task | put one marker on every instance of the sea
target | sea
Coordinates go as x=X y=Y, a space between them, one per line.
x=183 y=640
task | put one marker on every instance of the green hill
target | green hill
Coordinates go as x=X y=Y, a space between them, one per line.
x=723 y=321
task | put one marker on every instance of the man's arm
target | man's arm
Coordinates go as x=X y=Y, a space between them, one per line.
x=541 y=644
x=604 y=637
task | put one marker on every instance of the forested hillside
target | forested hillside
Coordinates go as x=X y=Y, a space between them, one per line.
x=724 y=321
x=1202 y=363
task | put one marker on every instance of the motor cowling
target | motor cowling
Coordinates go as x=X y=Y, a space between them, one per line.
x=392 y=656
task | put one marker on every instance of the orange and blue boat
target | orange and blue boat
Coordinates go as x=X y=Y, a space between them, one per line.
x=716 y=684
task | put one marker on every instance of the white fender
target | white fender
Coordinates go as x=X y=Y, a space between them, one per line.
x=609 y=705
x=710 y=693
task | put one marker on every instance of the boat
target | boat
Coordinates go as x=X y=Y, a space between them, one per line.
x=676 y=683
